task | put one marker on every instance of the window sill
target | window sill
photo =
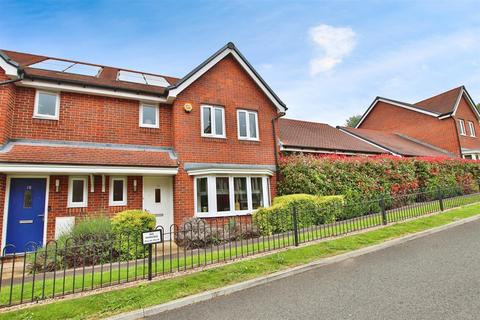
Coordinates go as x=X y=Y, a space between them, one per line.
x=223 y=214
x=45 y=118
x=214 y=137
x=123 y=204
x=73 y=206
x=149 y=127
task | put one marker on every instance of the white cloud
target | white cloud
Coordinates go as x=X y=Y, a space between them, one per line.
x=333 y=43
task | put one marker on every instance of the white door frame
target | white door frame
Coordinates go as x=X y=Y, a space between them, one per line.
x=6 y=206
x=143 y=196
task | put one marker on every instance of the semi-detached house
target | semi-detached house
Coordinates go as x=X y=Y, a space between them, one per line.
x=82 y=139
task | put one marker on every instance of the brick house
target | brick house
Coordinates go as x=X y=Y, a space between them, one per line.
x=449 y=121
x=83 y=139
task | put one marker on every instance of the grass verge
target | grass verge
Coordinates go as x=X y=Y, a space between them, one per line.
x=145 y=295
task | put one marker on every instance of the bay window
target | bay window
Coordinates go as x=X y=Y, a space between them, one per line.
x=230 y=195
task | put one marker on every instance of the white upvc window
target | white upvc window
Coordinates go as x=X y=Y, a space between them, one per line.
x=47 y=105
x=78 y=192
x=224 y=195
x=471 y=128
x=213 y=121
x=463 y=131
x=247 y=125
x=118 y=191
x=149 y=115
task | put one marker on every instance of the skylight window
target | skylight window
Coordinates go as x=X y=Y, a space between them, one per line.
x=67 y=67
x=142 y=78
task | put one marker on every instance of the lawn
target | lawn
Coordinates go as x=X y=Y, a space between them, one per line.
x=148 y=294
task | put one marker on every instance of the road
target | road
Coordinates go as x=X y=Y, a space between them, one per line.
x=434 y=277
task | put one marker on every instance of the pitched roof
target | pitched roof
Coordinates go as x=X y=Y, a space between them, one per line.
x=442 y=103
x=398 y=143
x=320 y=136
x=78 y=153
x=107 y=77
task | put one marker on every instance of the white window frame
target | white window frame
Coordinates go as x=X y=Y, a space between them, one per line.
x=84 y=203
x=212 y=195
x=110 y=187
x=463 y=130
x=213 y=124
x=157 y=115
x=471 y=128
x=247 y=117
x=57 y=105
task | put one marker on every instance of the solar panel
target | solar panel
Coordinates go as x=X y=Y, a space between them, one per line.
x=142 y=78
x=67 y=67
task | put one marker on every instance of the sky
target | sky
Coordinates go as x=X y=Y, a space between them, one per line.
x=327 y=60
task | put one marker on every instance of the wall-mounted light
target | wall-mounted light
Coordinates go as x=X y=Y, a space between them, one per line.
x=135 y=185
x=57 y=185
x=187 y=107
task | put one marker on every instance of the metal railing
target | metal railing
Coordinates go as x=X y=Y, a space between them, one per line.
x=58 y=269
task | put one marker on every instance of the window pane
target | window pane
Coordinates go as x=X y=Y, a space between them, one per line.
x=202 y=195
x=27 y=198
x=158 y=196
x=257 y=193
x=252 y=120
x=77 y=190
x=223 y=194
x=149 y=115
x=241 y=199
x=207 y=120
x=118 y=190
x=47 y=104
x=242 y=123
x=219 y=121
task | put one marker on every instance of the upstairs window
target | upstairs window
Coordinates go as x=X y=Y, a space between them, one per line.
x=213 y=121
x=47 y=105
x=463 y=131
x=149 y=116
x=471 y=127
x=247 y=125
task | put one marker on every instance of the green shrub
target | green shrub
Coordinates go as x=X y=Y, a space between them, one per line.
x=128 y=226
x=89 y=242
x=311 y=210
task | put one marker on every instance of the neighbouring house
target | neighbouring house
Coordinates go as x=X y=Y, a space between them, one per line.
x=307 y=137
x=83 y=139
x=397 y=144
x=449 y=121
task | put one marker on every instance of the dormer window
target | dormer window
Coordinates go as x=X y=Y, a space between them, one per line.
x=463 y=131
x=47 y=105
x=471 y=127
x=149 y=115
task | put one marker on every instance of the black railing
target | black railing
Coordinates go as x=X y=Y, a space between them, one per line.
x=58 y=269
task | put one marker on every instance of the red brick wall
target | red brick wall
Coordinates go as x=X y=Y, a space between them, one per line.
x=90 y=118
x=7 y=101
x=97 y=200
x=390 y=118
x=229 y=86
x=465 y=113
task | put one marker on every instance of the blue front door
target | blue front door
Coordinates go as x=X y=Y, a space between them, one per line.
x=26 y=210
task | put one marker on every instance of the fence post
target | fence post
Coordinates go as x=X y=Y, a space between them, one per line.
x=150 y=252
x=440 y=198
x=384 y=211
x=295 y=226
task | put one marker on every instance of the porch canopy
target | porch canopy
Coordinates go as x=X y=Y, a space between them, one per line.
x=66 y=157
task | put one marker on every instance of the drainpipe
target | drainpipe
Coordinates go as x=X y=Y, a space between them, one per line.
x=275 y=141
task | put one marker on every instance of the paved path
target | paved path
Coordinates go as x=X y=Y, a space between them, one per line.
x=435 y=277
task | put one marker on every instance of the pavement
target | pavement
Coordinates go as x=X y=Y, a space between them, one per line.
x=432 y=277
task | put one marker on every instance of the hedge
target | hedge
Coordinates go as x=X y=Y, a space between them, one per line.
x=367 y=178
x=311 y=210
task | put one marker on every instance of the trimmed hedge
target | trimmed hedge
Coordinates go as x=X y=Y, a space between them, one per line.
x=367 y=178
x=311 y=210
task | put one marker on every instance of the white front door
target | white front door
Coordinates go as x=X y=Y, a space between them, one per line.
x=158 y=199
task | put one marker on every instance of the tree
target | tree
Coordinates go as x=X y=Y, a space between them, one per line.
x=478 y=107
x=353 y=121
